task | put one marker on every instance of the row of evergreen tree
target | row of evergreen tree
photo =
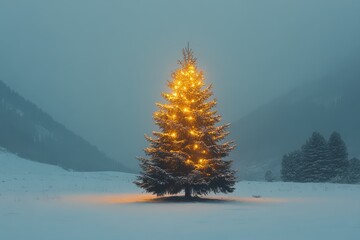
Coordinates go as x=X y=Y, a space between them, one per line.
x=320 y=160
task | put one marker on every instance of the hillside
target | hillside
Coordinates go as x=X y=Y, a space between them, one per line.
x=31 y=133
x=283 y=125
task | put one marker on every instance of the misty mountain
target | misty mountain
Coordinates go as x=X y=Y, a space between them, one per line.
x=31 y=133
x=283 y=125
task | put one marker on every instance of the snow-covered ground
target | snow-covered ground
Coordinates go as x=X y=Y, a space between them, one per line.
x=39 y=201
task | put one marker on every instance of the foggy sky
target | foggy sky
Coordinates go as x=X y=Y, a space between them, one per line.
x=98 y=67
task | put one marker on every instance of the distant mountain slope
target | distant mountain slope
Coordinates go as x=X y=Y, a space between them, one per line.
x=33 y=134
x=284 y=124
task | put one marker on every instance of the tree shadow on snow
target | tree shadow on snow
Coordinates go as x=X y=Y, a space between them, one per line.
x=183 y=199
x=216 y=200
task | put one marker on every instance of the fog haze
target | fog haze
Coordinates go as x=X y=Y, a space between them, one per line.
x=98 y=67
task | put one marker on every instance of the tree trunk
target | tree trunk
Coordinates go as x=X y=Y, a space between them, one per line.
x=187 y=192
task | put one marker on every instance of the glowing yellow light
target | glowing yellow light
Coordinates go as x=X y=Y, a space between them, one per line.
x=192 y=132
x=175 y=94
x=192 y=100
x=199 y=82
x=176 y=87
x=179 y=82
x=182 y=72
x=190 y=118
x=184 y=88
x=191 y=78
x=201 y=160
x=173 y=134
x=196 y=146
x=193 y=85
x=203 y=151
x=188 y=161
x=186 y=109
x=174 y=116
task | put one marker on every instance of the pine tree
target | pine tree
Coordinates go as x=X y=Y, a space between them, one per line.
x=352 y=173
x=187 y=153
x=338 y=156
x=269 y=176
x=316 y=154
x=291 y=165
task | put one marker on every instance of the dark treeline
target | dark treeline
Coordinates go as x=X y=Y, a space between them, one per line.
x=284 y=124
x=29 y=132
x=321 y=160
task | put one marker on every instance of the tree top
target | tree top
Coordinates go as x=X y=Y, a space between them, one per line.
x=188 y=57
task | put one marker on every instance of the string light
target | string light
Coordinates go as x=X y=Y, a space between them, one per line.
x=189 y=73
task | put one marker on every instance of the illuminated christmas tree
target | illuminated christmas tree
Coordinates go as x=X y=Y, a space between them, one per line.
x=187 y=153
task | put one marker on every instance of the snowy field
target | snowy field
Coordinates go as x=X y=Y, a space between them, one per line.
x=39 y=201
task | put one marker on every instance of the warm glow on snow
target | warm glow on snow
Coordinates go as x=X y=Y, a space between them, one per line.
x=109 y=199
